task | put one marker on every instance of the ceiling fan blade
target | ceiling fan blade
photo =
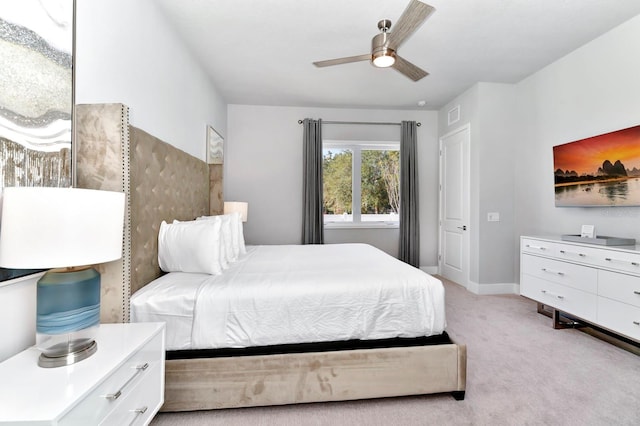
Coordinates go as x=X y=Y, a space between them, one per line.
x=407 y=68
x=413 y=16
x=346 y=60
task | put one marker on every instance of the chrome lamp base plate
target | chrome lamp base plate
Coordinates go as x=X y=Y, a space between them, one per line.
x=66 y=354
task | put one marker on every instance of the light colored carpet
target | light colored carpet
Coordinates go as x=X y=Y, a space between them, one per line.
x=520 y=372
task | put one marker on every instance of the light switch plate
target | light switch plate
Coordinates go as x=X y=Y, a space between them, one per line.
x=493 y=217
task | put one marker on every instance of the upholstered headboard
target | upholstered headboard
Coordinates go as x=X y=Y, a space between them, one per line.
x=166 y=184
x=161 y=183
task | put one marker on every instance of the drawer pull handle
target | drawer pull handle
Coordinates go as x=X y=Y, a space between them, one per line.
x=112 y=396
x=636 y=292
x=536 y=247
x=608 y=259
x=137 y=412
x=552 y=272
x=636 y=322
x=118 y=393
x=551 y=294
x=571 y=252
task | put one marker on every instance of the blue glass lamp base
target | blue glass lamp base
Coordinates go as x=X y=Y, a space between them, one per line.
x=68 y=314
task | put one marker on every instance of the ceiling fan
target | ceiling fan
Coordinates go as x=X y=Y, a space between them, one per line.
x=384 y=46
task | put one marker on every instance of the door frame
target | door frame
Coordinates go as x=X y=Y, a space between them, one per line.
x=466 y=235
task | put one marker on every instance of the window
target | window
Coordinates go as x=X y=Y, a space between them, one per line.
x=361 y=183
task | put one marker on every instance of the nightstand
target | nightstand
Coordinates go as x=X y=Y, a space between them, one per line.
x=121 y=384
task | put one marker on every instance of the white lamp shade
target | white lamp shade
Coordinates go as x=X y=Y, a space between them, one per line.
x=44 y=228
x=237 y=207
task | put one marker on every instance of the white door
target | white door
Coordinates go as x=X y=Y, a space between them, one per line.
x=453 y=256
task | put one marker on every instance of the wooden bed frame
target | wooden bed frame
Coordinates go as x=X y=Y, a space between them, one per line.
x=164 y=183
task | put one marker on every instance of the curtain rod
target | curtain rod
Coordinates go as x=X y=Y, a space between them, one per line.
x=361 y=122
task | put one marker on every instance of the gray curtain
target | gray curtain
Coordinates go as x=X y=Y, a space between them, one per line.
x=312 y=222
x=409 y=224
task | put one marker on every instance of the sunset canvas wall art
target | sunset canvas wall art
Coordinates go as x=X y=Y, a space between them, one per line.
x=601 y=170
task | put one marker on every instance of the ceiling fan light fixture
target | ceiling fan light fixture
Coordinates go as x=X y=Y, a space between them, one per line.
x=385 y=45
x=384 y=59
x=381 y=55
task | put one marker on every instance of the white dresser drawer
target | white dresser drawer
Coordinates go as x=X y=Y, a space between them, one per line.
x=144 y=399
x=621 y=287
x=619 y=317
x=567 y=299
x=574 y=253
x=538 y=247
x=619 y=261
x=115 y=388
x=569 y=274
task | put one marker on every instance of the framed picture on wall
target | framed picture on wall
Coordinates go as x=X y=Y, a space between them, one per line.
x=599 y=171
x=215 y=145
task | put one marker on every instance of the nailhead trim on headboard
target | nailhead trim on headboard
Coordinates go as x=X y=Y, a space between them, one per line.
x=126 y=188
x=102 y=162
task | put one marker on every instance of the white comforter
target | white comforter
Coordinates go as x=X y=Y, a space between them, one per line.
x=295 y=294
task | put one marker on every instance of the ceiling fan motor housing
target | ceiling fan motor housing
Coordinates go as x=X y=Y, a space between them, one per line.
x=380 y=49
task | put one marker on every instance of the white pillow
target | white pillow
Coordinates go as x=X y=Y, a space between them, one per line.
x=235 y=234
x=237 y=237
x=190 y=247
x=241 y=247
x=227 y=238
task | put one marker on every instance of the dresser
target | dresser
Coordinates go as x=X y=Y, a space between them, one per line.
x=597 y=284
x=121 y=384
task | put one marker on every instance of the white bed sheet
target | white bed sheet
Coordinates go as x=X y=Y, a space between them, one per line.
x=295 y=294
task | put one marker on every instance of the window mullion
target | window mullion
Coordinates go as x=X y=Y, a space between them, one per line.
x=356 y=176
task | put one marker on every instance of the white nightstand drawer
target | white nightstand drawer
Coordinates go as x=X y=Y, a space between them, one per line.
x=621 y=287
x=115 y=388
x=619 y=317
x=569 y=274
x=142 y=402
x=566 y=299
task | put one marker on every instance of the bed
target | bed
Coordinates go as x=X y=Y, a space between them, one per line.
x=288 y=294
x=256 y=371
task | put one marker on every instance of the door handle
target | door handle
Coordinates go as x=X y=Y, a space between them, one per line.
x=463 y=227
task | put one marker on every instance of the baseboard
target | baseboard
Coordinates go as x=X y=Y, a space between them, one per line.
x=496 y=288
x=431 y=270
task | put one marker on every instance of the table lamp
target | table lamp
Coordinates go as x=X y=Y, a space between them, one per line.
x=237 y=207
x=68 y=229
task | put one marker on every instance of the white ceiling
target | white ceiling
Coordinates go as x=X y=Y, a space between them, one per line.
x=260 y=52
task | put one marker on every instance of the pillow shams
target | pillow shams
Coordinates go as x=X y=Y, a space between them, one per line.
x=237 y=237
x=240 y=233
x=190 y=247
x=227 y=239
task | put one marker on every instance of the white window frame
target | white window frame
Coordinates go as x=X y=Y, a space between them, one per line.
x=356 y=147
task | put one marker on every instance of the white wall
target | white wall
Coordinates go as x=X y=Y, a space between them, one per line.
x=126 y=52
x=263 y=165
x=593 y=90
x=488 y=108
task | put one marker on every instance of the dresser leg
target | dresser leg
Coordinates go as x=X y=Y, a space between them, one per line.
x=560 y=323
x=542 y=310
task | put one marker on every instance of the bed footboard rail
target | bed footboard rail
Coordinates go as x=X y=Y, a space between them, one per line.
x=227 y=382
